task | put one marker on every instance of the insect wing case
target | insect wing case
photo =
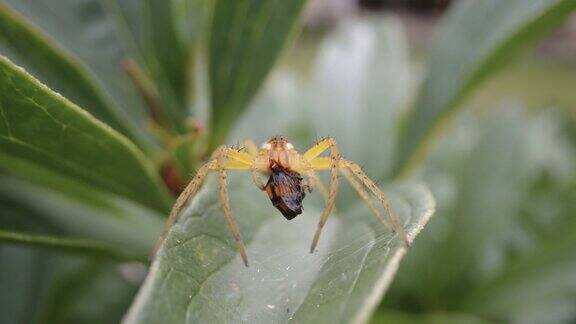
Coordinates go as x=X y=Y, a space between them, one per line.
x=285 y=190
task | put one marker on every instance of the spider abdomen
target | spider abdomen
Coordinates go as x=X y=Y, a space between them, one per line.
x=284 y=188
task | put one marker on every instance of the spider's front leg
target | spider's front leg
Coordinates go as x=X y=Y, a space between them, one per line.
x=224 y=201
x=223 y=158
x=351 y=172
x=325 y=144
x=181 y=201
x=253 y=151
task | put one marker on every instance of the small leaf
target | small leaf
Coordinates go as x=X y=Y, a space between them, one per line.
x=477 y=38
x=41 y=127
x=51 y=61
x=163 y=37
x=246 y=39
x=199 y=277
x=169 y=51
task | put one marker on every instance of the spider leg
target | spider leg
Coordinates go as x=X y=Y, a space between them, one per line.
x=251 y=147
x=257 y=179
x=319 y=148
x=315 y=181
x=312 y=162
x=237 y=162
x=327 y=143
x=186 y=194
x=364 y=195
x=223 y=193
x=253 y=151
x=395 y=221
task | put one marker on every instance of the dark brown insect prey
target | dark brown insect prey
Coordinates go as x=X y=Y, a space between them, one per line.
x=285 y=190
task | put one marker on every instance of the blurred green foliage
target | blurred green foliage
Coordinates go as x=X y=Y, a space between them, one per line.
x=82 y=195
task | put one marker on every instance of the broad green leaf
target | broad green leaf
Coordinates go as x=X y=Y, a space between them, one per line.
x=360 y=88
x=70 y=209
x=199 y=277
x=47 y=286
x=39 y=126
x=90 y=290
x=476 y=39
x=74 y=52
x=542 y=270
x=479 y=177
x=43 y=287
x=64 y=244
x=246 y=38
x=344 y=98
x=482 y=174
x=545 y=278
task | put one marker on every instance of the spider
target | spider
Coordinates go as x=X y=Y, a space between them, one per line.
x=286 y=186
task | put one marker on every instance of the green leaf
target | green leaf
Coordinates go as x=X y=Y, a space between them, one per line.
x=246 y=38
x=479 y=176
x=163 y=37
x=482 y=173
x=545 y=278
x=344 y=97
x=47 y=286
x=437 y=317
x=39 y=126
x=64 y=244
x=96 y=84
x=477 y=38
x=68 y=208
x=354 y=64
x=90 y=290
x=170 y=53
x=43 y=287
x=199 y=277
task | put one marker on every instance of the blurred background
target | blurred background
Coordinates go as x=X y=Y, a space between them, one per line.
x=502 y=165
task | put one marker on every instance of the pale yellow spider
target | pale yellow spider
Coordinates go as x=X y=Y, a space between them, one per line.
x=286 y=187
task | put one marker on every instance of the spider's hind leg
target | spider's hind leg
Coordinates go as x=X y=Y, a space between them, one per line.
x=364 y=195
x=394 y=219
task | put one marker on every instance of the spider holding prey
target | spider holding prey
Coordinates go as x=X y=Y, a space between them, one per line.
x=285 y=167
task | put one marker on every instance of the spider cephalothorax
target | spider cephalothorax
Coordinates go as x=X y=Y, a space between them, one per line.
x=286 y=185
